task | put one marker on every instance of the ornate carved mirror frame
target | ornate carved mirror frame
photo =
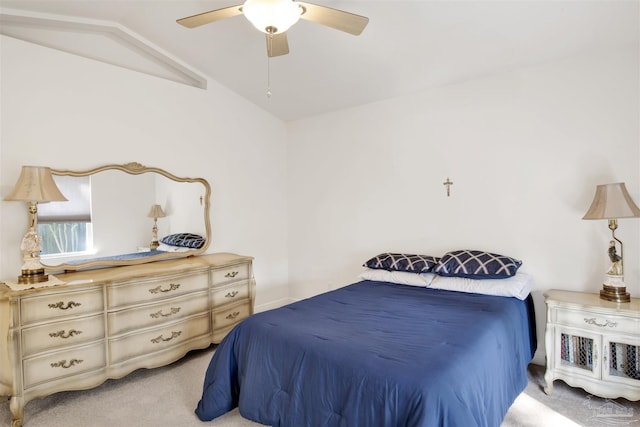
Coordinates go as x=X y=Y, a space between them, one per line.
x=138 y=169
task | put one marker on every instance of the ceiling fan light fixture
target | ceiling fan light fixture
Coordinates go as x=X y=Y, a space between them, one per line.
x=272 y=16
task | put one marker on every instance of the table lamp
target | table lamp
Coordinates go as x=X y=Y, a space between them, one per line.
x=155 y=212
x=611 y=202
x=35 y=185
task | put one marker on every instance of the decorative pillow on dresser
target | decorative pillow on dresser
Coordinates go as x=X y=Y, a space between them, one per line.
x=185 y=240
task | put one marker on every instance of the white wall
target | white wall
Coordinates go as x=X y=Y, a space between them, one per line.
x=525 y=150
x=68 y=112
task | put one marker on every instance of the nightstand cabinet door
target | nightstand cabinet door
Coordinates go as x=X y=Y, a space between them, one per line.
x=577 y=352
x=622 y=360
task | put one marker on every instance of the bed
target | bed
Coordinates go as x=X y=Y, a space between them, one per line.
x=375 y=353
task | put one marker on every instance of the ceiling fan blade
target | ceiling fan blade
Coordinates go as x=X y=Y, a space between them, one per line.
x=334 y=18
x=211 y=16
x=277 y=44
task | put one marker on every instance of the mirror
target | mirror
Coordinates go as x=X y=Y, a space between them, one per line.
x=121 y=223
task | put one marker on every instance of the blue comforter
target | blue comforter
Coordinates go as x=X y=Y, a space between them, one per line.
x=375 y=354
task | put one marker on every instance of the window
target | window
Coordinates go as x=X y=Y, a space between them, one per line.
x=65 y=227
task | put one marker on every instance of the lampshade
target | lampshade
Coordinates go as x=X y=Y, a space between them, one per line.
x=272 y=16
x=156 y=212
x=612 y=201
x=35 y=184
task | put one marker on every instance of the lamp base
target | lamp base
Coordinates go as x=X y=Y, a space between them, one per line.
x=19 y=285
x=615 y=294
x=154 y=245
x=29 y=277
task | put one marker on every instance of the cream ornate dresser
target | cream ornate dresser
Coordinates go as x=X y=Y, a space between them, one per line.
x=107 y=323
x=593 y=344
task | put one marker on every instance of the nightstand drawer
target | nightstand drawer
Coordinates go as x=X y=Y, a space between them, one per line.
x=156 y=314
x=63 y=364
x=62 y=304
x=232 y=293
x=151 y=290
x=145 y=343
x=62 y=334
x=230 y=274
x=597 y=321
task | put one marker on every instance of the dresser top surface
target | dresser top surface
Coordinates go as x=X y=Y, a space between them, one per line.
x=589 y=300
x=115 y=274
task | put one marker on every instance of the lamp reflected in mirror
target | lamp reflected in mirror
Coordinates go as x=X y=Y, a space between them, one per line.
x=155 y=212
x=612 y=202
x=35 y=185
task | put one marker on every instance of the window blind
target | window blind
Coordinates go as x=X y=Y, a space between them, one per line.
x=77 y=190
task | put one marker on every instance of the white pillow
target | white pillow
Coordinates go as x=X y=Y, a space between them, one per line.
x=169 y=248
x=518 y=286
x=400 y=277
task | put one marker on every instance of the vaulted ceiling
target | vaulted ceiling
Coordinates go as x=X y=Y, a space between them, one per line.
x=407 y=45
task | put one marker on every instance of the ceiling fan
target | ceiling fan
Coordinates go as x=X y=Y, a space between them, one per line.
x=275 y=17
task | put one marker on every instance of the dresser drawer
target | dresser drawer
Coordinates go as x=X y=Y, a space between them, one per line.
x=60 y=304
x=157 y=314
x=130 y=346
x=225 y=320
x=230 y=274
x=231 y=293
x=231 y=316
x=596 y=321
x=63 y=364
x=62 y=334
x=156 y=289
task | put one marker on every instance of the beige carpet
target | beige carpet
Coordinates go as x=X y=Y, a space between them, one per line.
x=166 y=397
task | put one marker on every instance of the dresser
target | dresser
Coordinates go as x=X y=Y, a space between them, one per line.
x=106 y=323
x=593 y=344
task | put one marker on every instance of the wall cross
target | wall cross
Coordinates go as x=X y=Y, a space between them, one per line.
x=448 y=183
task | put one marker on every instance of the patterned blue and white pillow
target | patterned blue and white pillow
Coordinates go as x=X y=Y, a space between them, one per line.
x=402 y=262
x=185 y=240
x=474 y=264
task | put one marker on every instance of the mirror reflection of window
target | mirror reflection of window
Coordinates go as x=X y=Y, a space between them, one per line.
x=65 y=227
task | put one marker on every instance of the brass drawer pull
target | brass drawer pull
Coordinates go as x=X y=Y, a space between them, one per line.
x=62 y=306
x=233 y=315
x=608 y=323
x=231 y=274
x=172 y=287
x=232 y=294
x=63 y=363
x=63 y=334
x=159 y=314
x=160 y=338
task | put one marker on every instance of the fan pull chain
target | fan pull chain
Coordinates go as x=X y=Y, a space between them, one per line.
x=268 y=77
x=269 y=66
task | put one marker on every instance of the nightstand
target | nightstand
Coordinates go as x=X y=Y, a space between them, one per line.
x=593 y=344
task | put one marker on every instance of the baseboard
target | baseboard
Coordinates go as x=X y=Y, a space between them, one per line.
x=273 y=304
x=539 y=358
